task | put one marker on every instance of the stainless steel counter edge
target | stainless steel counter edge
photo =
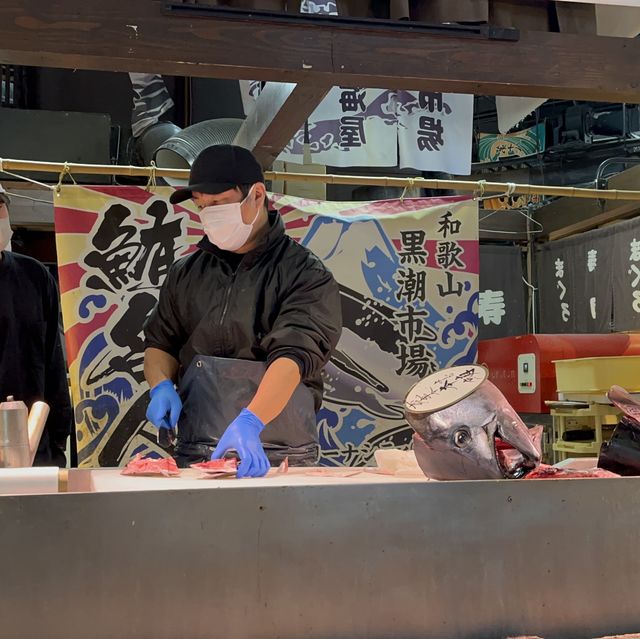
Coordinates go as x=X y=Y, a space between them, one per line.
x=556 y=558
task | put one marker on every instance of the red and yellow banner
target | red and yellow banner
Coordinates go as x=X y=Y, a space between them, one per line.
x=408 y=272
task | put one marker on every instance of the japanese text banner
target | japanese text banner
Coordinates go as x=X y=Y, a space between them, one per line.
x=370 y=127
x=408 y=272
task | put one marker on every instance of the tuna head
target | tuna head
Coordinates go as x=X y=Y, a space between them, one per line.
x=478 y=437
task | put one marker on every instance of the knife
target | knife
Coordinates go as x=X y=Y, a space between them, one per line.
x=166 y=436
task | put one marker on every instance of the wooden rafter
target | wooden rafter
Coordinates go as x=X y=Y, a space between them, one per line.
x=567 y=216
x=612 y=214
x=280 y=111
x=137 y=35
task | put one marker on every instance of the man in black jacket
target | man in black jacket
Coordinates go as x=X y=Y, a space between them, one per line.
x=249 y=294
x=32 y=366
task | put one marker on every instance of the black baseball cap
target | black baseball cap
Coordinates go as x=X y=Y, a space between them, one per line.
x=220 y=168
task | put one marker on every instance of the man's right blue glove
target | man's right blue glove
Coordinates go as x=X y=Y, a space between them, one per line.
x=165 y=405
x=243 y=435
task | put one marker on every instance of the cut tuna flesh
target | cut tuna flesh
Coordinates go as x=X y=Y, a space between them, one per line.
x=284 y=467
x=509 y=457
x=218 y=467
x=145 y=466
x=552 y=472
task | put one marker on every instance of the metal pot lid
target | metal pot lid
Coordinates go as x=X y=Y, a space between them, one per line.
x=444 y=388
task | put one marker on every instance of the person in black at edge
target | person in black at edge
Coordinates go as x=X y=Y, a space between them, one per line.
x=245 y=325
x=32 y=366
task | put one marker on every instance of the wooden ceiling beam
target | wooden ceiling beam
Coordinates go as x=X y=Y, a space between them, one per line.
x=138 y=35
x=568 y=214
x=614 y=214
x=280 y=110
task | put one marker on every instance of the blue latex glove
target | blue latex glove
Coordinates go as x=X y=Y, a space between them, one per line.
x=243 y=435
x=165 y=405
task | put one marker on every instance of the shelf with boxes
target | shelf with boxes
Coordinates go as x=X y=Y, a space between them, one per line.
x=580 y=430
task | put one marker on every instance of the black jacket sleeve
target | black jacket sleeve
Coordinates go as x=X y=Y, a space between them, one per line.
x=163 y=329
x=56 y=391
x=309 y=323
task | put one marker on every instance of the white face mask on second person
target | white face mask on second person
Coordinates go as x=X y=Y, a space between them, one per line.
x=224 y=225
x=5 y=232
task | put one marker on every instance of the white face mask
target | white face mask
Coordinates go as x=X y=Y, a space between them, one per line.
x=5 y=234
x=224 y=225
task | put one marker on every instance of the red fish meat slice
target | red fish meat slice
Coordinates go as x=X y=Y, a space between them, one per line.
x=218 y=467
x=225 y=465
x=552 y=472
x=148 y=466
x=284 y=467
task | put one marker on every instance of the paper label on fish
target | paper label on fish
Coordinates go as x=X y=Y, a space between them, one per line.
x=445 y=388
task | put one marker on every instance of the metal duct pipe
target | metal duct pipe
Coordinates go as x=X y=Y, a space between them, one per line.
x=153 y=137
x=180 y=151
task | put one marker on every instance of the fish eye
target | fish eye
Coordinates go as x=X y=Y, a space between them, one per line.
x=461 y=437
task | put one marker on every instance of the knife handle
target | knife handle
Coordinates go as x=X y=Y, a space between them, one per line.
x=166 y=437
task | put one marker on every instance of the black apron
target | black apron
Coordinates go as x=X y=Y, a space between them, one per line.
x=214 y=390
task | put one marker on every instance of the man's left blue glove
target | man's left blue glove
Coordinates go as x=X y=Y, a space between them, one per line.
x=243 y=435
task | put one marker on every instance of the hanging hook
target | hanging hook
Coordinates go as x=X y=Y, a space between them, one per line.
x=66 y=170
x=511 y=187
x=152 y=177
x=478 y=194
x=411 y=184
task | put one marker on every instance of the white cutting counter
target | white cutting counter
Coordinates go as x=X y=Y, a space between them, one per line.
x=111 y=480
